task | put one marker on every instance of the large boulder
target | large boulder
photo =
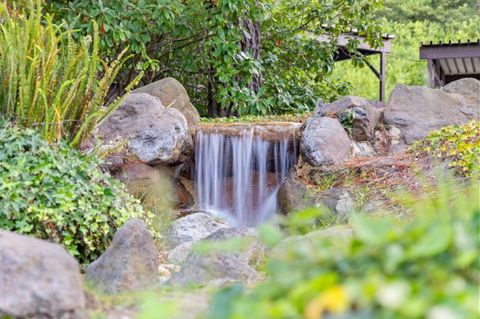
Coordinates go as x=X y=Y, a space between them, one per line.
x=172 y=94
x=469 y=88
x=38 y=279
x=129 y=263
x=218 y=267
x=152 y=133
x=418 y=110
x=324 y=142
x=192 y=228
x=359 y=114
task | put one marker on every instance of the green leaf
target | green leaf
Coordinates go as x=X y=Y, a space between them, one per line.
x=372 y=231
x=434 y=241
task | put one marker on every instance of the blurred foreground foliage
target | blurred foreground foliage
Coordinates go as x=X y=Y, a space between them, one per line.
x=425 y=267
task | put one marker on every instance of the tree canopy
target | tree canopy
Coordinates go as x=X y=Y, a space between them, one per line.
x=199 y=43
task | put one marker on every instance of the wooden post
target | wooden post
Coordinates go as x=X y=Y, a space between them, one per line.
x=431 y=73
x=383 y=69
x=439 y=75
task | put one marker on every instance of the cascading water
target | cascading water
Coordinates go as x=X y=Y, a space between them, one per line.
x=238 y=171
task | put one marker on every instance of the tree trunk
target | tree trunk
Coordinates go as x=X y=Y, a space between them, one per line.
x=252 y=44
x=213 y=107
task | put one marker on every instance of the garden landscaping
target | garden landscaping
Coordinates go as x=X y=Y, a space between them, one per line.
x=118 y=200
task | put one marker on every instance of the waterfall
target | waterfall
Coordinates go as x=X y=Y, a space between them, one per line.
x=238 y=170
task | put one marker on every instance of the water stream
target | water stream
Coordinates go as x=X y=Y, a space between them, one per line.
x=238 y=171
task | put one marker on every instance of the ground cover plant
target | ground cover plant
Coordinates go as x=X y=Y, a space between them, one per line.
x=55 y=193
x=458 y=145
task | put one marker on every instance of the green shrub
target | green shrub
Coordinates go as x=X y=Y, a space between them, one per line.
x=424 y=267
x=459 y=145
x=48 y=81
x=55 y=193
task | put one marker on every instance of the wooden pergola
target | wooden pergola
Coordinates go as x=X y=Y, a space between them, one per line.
x=366 y=50
x=448 y=62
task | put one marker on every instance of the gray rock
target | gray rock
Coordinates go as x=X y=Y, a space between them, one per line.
x=324 y=142
x=193 y=227
x=217 y=267
x=339 y=201
x=363 y=149
x=172 y=94
x=179 y=253
x=417 y=111
x=153 y=134
x=129 y=263
x=38 y=279
x=469 y=88
x=319 y=105
x=359 y=113
x=374 y=206
x=394 y=135
x=253 y=253
x=214 y=270
x=293 y=195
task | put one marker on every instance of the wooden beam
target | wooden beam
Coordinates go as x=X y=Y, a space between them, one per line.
x=375 y=71
x=343 y=39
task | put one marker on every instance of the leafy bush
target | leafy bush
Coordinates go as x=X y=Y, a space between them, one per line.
x=50 y=81
x=424 y=267
x=459 y=145
x=56 y=193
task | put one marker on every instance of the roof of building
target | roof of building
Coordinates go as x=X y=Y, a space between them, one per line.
x=454 y=58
